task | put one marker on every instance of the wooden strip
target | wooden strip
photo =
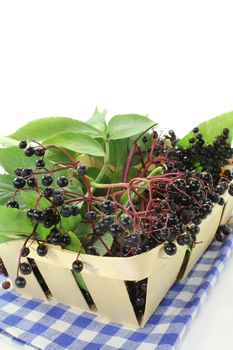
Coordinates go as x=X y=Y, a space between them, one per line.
x=227 y=212
x=9 y=254
x=159 y=283
x=62 y=285
x=129 y=269
x=111 y=299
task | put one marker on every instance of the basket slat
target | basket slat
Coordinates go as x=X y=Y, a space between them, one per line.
x=64 y=287
x=227 y=212
x=8 y=253
x=159 y=283
x=111 y=299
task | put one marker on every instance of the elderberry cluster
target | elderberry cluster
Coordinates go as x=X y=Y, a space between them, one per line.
x=211 y=157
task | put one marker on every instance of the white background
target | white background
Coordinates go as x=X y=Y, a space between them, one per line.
x=170 y=59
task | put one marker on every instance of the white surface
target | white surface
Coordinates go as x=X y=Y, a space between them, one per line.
x=171 y=59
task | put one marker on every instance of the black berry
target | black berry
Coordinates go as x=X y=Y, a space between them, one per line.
x=82 y=169
x=19 y=182
x=29 y=151
x=31 y=182
x=170 y=248
x=12 y=204
x=25 y=252
x=65 y=211
x=26 y=172
x=40 y=163
x=23 y=144
x=39 y=151
x=20 y=282
x=77 y=266
x=25 y=268
x=48 y=192
x=74 y=209
x=47 y=180
x=42 y=250
x=62 y=181
x=90 y=215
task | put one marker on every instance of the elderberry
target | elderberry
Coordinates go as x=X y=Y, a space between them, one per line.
x=47 y=180
x=42 y=250
x=23 y=144
x=25 y=172
x=115 y=229
x=20 y=282
x=39 y=151
x=25 y=252
x=77 y=266
x=12 y=204
x=170 y=248
x=31 y=182
x=19 y=182
x=40 y=163
x=65 y=211
x=62 y=181
x=107 y=206
x=29 y=151
x=82 y=169
x=25 y=268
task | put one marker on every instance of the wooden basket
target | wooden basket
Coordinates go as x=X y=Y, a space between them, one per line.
x=104 y=277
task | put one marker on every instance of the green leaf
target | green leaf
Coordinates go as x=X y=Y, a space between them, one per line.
x=98 y=120
x=107 y=238
x=75 y=224
x=14 y=223
x=75 y=244
x=126 y=125
x=211 y=128
x=13 y=157
x=41 y=129
x=29 y=198
x=56 y=156
x=6 y=188
x=80 y=280
x=7 y=141
x=76 y=142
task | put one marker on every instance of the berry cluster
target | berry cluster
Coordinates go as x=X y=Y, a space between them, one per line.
x=137 y=293
x=211 y=157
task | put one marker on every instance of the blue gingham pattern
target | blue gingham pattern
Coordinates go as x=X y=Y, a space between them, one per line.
x=53 y=326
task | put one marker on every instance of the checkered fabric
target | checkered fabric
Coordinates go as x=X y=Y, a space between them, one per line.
x=53 y=326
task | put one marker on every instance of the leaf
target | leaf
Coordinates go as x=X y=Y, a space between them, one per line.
x=56 y=156
x=76 y=142
x=75 y=244
x=211 y=128
x=41 y=129
x=107 y=238
x=13 y=157
x=98 y=120
x=75 y=224
x=6 y=188
x=13 y=222
x=126 y=125
x=80 y=281
x=7 y=141
x=29 y=198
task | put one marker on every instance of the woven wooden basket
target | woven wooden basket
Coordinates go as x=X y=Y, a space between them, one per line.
x=105 y=277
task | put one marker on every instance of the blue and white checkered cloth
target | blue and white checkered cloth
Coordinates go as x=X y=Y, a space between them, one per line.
x=53 y=326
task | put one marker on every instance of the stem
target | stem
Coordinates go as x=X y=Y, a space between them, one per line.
x=106 y=162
